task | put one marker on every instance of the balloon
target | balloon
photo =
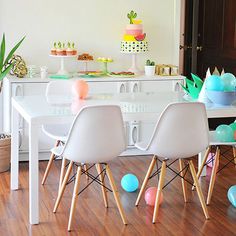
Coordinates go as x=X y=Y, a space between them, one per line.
x=129 y=183
x=233 y=126
x=80 y=89
x=232 y=195
x=229 y=82
x=211 y=160
x=150 y=196
x=215 y=83
x=224 y=133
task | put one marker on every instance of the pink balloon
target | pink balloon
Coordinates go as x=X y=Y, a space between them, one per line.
x=211 y=163
x=80 y=89
x=150 y=196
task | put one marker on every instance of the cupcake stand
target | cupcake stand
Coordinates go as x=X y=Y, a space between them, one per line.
x=62 y=70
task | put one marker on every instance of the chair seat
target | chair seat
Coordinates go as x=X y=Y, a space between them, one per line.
x=57 y=132
x=57 y=151
x=143 y=146
x=213 y=140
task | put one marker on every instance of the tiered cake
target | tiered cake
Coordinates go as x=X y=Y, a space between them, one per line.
x=134 y=38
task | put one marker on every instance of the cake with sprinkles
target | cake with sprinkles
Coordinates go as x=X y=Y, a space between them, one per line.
x=134 y=39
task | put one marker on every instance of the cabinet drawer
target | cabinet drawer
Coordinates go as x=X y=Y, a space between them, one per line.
x=107 y=87
x=158 y=86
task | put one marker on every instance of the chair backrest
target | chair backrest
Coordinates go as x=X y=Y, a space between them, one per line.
x=96 y=135
x=182 y=131
x=59 y=88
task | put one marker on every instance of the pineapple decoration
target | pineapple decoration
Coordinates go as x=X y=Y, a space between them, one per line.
x=19 y=66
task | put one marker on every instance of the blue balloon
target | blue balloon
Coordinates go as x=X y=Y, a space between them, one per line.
x=214 y=83
x=232 y=195
x=129 y=183
x=229 y=82
x=224 y=133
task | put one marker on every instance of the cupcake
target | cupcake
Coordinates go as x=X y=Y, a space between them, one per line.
x=60 y=49
x=73 y=48
x=54 y=49
x=69 y=50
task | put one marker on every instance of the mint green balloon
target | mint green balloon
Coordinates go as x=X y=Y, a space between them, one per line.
x=229 y=82
x=224 y=133
x=233 y=126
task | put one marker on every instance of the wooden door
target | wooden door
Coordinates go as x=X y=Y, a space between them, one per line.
x=217 y=36
x=214 y=42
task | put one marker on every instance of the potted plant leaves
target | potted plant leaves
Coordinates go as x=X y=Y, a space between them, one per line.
x=150 y=68
x=6 y=65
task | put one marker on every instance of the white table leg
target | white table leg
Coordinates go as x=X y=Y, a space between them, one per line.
x=33 y=175
x=14 y=149
x=200 y=159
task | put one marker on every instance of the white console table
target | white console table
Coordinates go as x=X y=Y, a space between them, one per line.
x=136 y=130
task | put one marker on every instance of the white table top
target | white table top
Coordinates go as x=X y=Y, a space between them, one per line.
x=147 y=106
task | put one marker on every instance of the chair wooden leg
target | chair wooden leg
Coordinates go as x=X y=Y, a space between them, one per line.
x=183 y=182
x=213 y=175
x=101 y=177
x=86 y=168
x=49 y=165
x=63 y=186
x=234 y=154
x=150 y=169
x=203 y=163
x=199 y=190
x=75 y=196
x=63 y=170
x=159 y=190
x=116 y=194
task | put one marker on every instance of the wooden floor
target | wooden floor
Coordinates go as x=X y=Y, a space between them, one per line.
x=92 y=218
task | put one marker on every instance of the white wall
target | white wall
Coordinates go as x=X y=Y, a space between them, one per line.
x=96 y=26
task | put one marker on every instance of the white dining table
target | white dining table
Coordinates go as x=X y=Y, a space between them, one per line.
x=40 y=110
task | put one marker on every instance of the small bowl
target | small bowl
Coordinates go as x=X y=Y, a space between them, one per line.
x=221 y=97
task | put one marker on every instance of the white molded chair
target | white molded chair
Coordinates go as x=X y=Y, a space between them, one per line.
x=96 y=137
x=215 y=159
x=58 y=132
x=180 y=133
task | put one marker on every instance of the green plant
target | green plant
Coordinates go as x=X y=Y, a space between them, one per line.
x=132 y=15
x=150 y=63
x=6 y=64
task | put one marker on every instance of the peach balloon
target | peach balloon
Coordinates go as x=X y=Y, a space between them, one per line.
x=80 y=89
x=150 y=196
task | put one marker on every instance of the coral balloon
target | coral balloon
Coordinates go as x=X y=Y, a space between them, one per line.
x=80 y=89
x=150 y=196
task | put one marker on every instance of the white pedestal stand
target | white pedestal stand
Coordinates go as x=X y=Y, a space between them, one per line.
x=134 y=67
x=62 y=70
